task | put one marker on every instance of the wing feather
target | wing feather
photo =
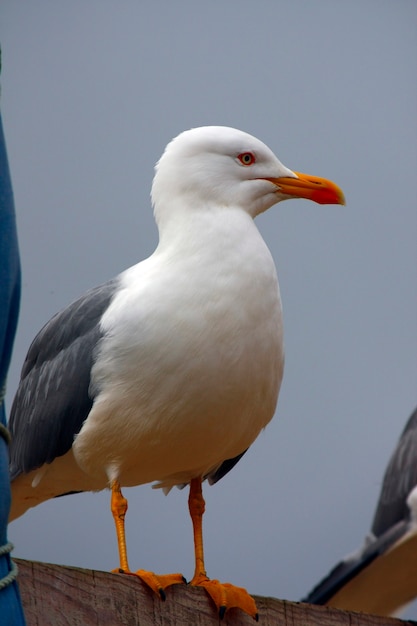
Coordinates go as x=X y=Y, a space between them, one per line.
x=53 y=397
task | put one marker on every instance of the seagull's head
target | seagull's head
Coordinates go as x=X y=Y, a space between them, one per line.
x=217 y=165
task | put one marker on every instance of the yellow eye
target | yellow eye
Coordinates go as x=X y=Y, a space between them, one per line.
x=246 y=158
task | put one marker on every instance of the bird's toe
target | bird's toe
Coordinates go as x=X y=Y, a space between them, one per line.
x=227 y=596
x=159 y=582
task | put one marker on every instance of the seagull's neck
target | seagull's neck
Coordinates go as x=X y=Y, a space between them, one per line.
x=211 y=229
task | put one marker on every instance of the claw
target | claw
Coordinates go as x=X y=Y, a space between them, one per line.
x=157 y=583
x=226 y=596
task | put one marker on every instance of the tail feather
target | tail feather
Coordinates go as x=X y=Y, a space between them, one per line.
x=61 y=477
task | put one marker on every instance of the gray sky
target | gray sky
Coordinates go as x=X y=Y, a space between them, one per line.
x=91 y=93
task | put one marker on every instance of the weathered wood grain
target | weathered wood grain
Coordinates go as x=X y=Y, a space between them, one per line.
x=55 y=595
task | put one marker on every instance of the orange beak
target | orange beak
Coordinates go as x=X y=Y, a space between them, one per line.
x=313 y=188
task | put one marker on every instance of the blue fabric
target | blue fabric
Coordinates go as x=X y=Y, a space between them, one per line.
x=11 y=612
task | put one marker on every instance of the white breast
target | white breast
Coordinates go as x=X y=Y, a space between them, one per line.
x=190 y=369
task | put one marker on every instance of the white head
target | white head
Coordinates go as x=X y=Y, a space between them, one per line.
x=227 y=167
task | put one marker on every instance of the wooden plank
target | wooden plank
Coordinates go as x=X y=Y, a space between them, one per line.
x=55 y=595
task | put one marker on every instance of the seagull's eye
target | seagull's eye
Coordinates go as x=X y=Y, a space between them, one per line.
x=246 y=158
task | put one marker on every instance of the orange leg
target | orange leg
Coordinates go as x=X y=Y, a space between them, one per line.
x=224 y=595
x=118 y=508
x=157 y=583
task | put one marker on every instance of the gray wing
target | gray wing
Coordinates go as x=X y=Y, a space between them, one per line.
x=399 y=479
x=53 y=398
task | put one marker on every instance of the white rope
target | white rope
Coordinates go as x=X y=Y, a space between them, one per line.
x=12 y=575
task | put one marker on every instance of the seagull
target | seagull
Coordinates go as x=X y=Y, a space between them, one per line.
x=381 y=576
x=167 y=373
